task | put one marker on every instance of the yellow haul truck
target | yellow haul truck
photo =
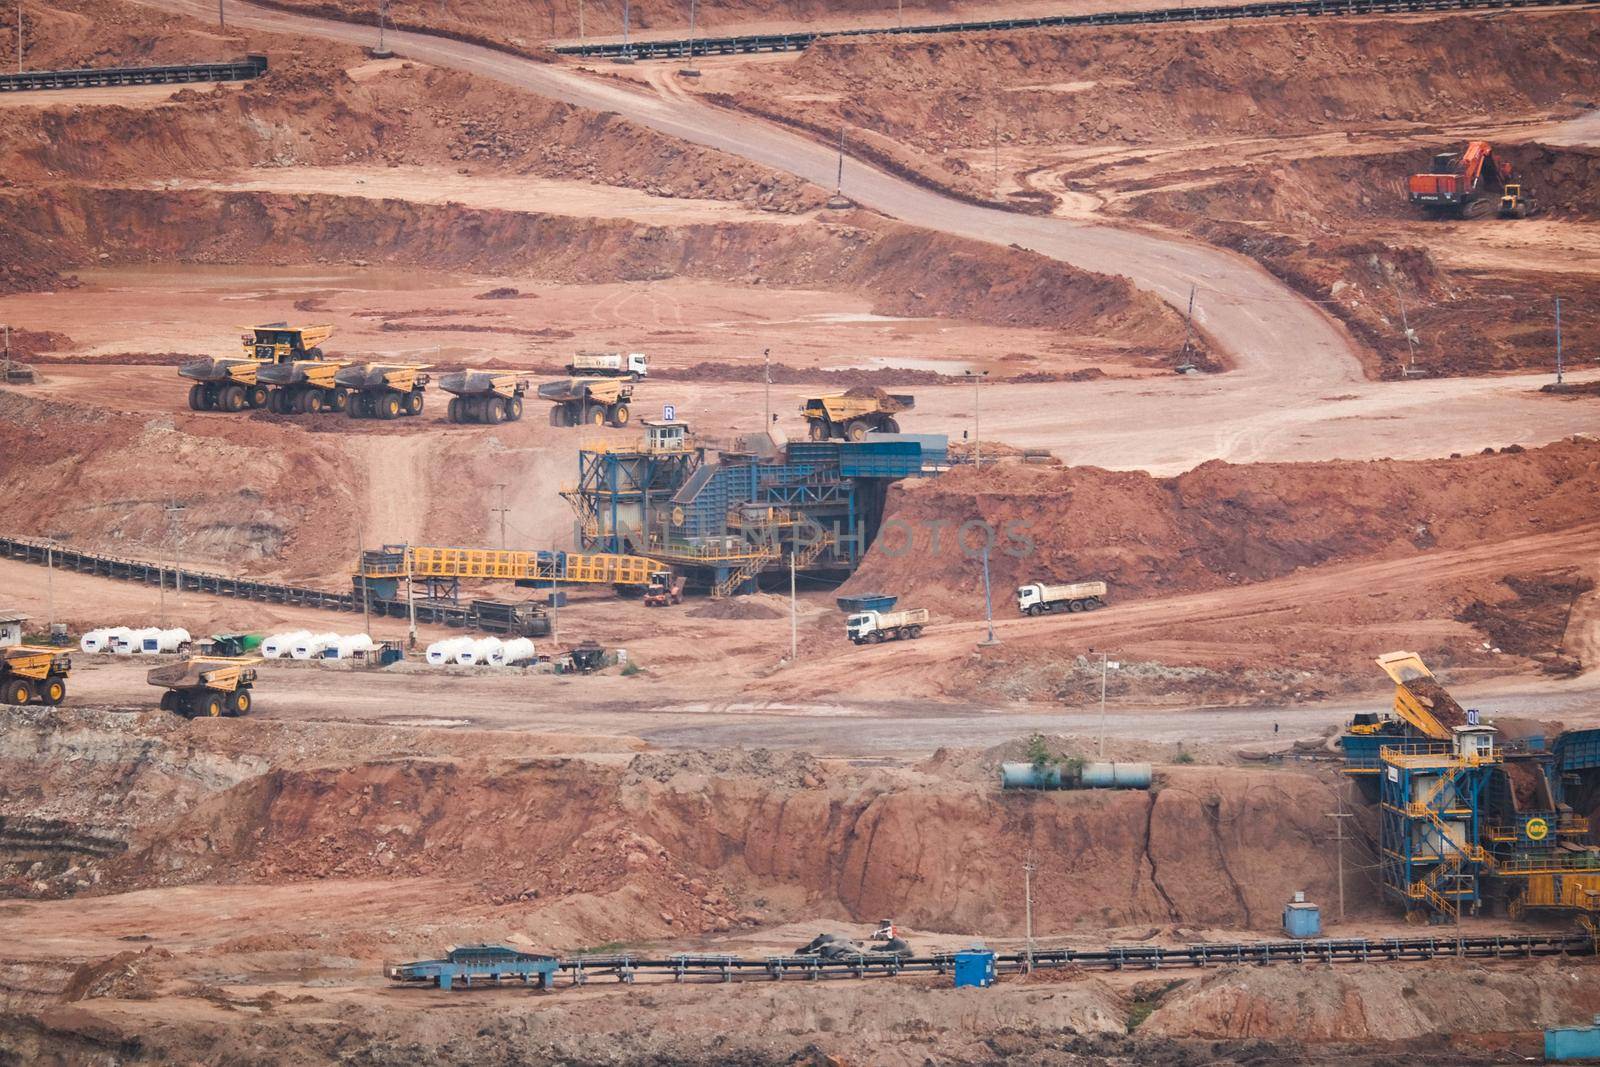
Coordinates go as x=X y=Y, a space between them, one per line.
x=484 y=396
x=232 y=383
x=31 y=675
x=852 y=414
x=588 y=401
x=383 y=390
x=206 y=685
x=305 y=387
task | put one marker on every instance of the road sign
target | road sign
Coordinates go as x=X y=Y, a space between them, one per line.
x=1537 y=829
x=668 y=413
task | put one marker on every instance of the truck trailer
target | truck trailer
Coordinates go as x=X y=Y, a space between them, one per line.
x=873 y=627
x=632 y=365
x=1040 y=597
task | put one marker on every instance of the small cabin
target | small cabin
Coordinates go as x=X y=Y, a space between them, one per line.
x=1474 y=741
x=666 y=436
x=11 y=628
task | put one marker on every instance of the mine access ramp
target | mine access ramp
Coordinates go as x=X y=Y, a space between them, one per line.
x=474 y=964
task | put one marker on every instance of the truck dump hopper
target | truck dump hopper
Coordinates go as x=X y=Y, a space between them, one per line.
x=1419 y=699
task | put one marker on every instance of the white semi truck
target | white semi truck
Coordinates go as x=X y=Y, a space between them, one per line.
x=632 y=365
x=866 y=627
x=1038 y=598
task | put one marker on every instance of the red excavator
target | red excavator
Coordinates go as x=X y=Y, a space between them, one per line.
x=1464 y=185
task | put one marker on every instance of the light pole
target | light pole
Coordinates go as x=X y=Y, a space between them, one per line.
x=1105 y=665
x=766 y=364
x=1559 y=368
x=1027 y=889
x=19 y=36
x=222 y=22
x=691 y=71
x=977 y=416
x=988 y=603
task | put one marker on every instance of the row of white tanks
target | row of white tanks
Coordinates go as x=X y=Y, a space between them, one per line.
x=128 y=641
x=481 y=652
x=303 y=644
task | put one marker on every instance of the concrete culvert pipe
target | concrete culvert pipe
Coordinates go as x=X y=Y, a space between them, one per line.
x=313 y=646
x=278 y=645
x=478 y=653
x=513 y=653
x=442 y=652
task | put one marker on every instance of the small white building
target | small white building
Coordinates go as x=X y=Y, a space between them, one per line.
x=1474 y=741
x=11 y=628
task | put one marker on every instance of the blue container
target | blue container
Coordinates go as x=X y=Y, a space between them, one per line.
x=1301 y=919
x=1573 y=1043
x=974 y=967
x=865 y=602
x=1027 y=776
x=1116 y=776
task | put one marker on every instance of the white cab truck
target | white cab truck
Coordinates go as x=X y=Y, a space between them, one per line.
x=870 y=627
x=1038 y=598
x=632 y=365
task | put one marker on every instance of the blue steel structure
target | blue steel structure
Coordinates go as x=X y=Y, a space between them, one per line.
x=481 y=963
x=724 y=516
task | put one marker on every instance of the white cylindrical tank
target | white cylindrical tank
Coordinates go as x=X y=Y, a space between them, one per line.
x=353 y=645
x=278 y=645
x=166 y=640
x=312 y=646
x=516 y=651
x=478 y=653
x=442 y=652
x=132 y=642
x=95 y=640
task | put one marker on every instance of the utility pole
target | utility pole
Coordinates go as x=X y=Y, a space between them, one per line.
x=383 y=10
x=19 y=36
x=49 y=587
x=366 y=594
x=900 y=12
x=627 y=12
x=1559 y=368
x=794 y=614
x=839 y=184
x=222 y=22
x=580 y=22
x=1338 y=818
x=1184 y=364
x=172 y=509
x=988 y=604
x=502 y=510
x=8 y=349
x=691 y=71
x=997 y=150
x=766 y=363
x=411 y=605
x=1405 y=324
x=1027 y=889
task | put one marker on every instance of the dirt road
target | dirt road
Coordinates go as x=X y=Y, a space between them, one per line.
x=1279 y=341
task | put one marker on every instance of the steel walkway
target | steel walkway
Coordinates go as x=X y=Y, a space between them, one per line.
x=793 y=42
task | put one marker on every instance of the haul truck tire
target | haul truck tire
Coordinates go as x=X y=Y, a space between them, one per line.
x=596 y=416
x=341 y=398
x=197 y=398
x=818 y=430
x=239 y=702
x=620 y=415
x=311 y=402
x=855 y=431
x=412 y=402
x=52 y=691
x=890 y=426
x=210 y=705
x=232 y=398
x=514 y=409
x=389 y=405
x=18 y=691
x=452 y=410
x=256 y=396
x=494 y=410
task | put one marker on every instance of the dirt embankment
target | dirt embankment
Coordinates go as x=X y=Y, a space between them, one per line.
x=909 y=271
x=688 y=843
x=1219 y=524
x=1308 y=220
x=1052 y=89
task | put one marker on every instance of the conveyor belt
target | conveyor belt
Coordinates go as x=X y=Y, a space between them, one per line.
x=792 y=42
x=252 y=66
x=729 y=968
